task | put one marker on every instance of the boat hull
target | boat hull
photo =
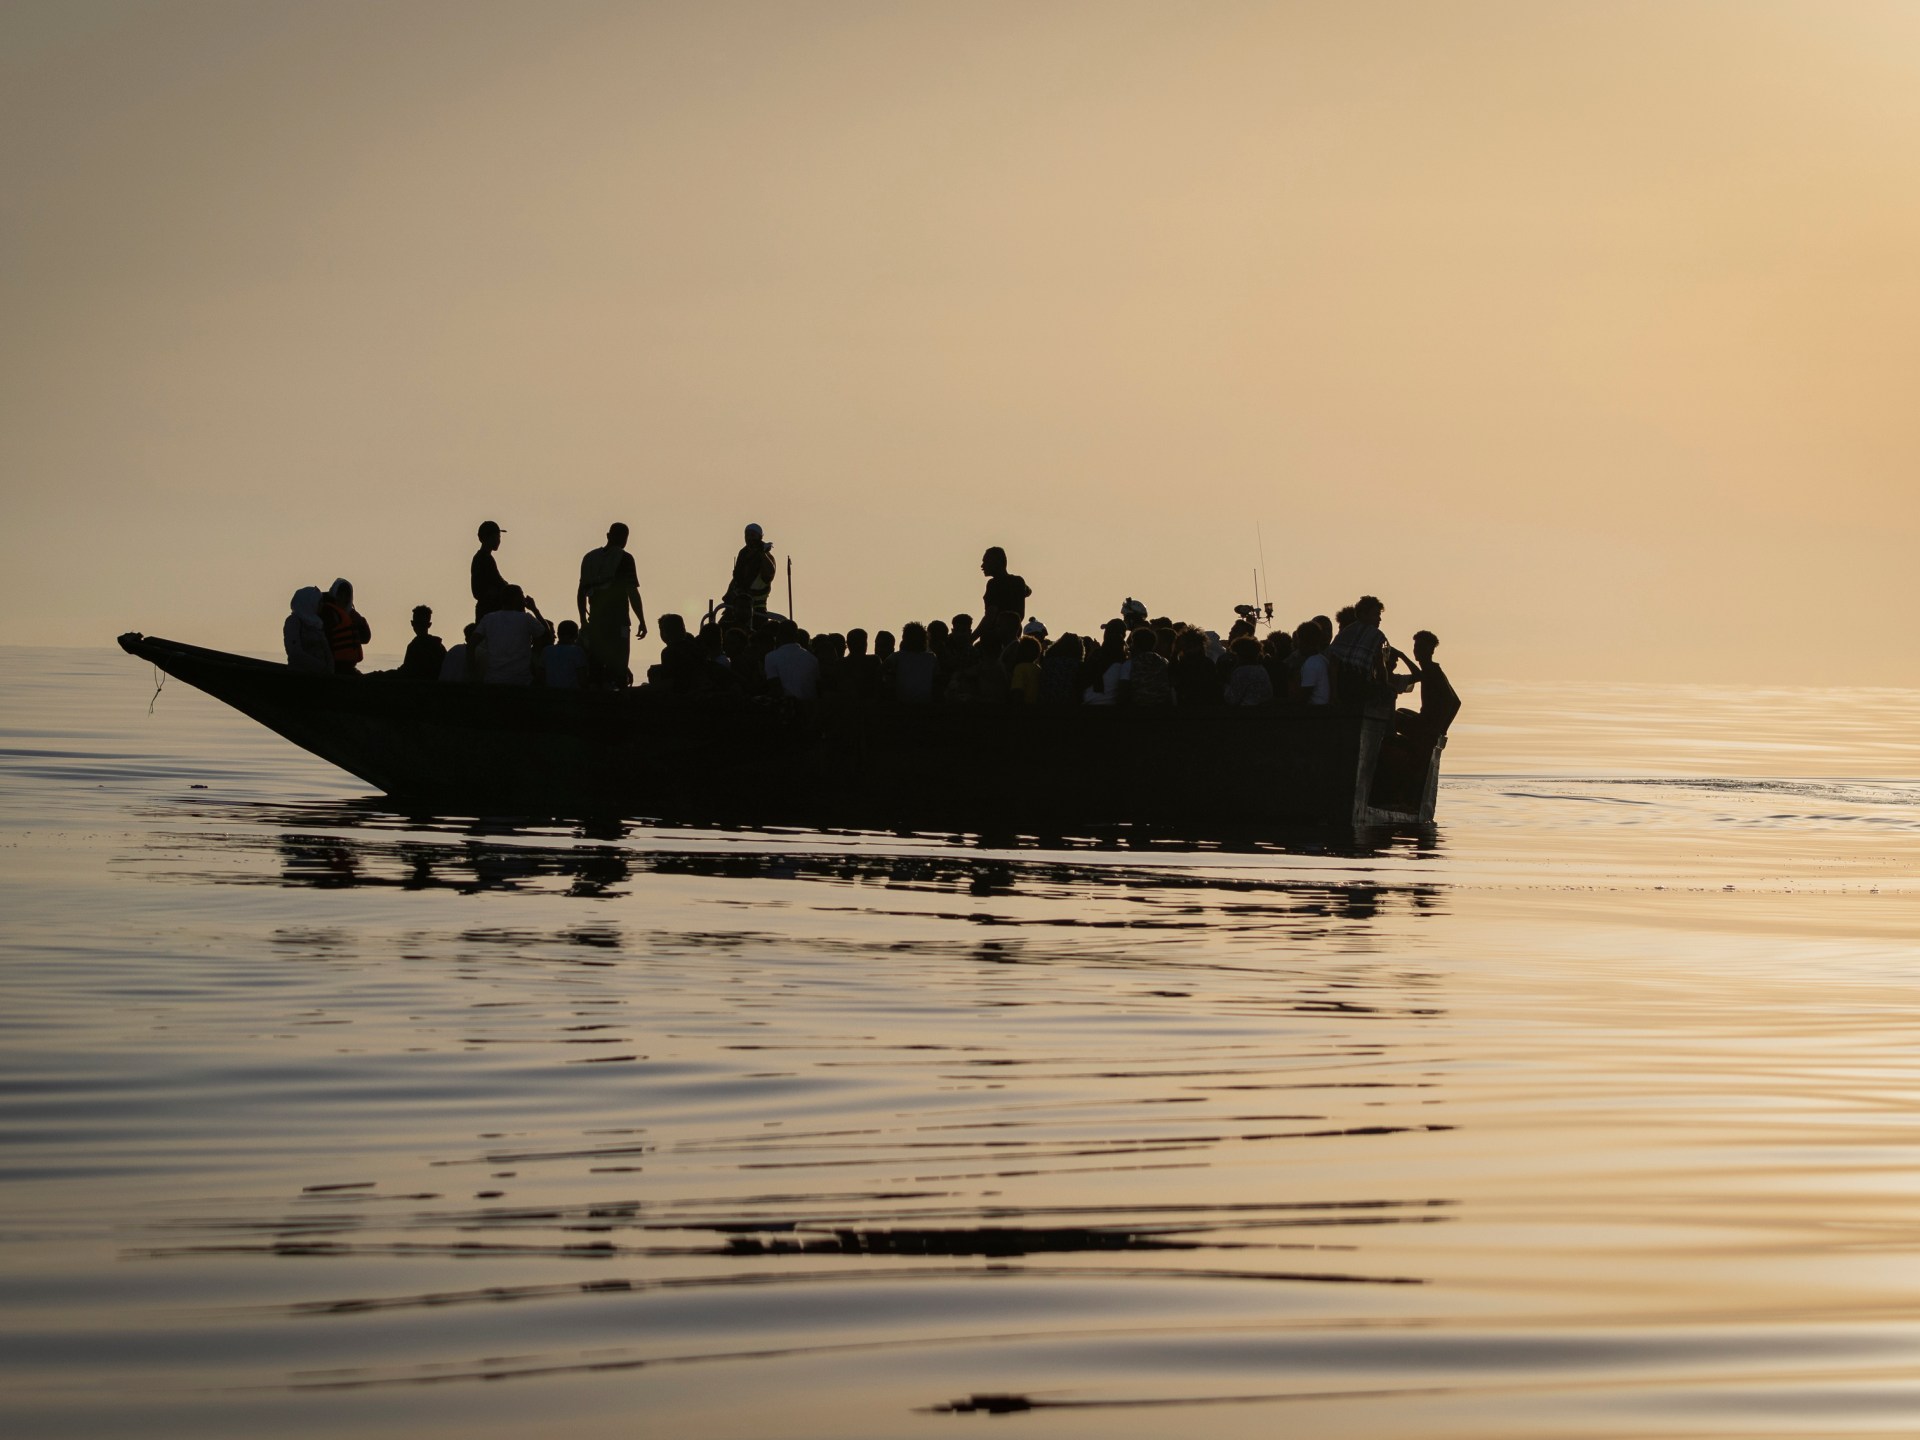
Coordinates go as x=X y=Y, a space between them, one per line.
x=497 y=749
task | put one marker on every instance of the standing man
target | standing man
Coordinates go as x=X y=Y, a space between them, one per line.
x=489 y=590
x=1004 y=605
x=745 y=603
x=608 y=588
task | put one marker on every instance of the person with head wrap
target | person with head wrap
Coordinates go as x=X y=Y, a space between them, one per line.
x=304 y=634
x=745 y=602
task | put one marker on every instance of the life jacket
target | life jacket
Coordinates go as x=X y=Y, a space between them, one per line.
x=343 y=628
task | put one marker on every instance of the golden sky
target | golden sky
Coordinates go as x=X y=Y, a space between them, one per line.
x=1587 y=335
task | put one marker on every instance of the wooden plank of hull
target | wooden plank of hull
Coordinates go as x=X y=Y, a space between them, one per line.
x=1063 y=770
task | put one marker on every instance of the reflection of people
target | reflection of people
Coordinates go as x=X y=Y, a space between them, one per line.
x=489 y=590
x=609 y=587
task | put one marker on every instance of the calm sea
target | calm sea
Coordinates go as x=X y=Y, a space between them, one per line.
x=1596 y=1111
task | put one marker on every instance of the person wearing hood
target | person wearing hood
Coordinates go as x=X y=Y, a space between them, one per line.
x=347 y=630
x=304 y=634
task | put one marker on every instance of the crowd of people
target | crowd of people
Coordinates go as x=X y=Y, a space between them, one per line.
x=1006 y=657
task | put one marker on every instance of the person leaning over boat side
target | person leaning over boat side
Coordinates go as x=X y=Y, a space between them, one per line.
x=511 y=635
x=304 y=635
x=745 y=600
x=426 y=652
x=489 y=590
x=347 y=629
x=1439 y=701
x=609 y=587
x=792 y=666
x=1004 y=605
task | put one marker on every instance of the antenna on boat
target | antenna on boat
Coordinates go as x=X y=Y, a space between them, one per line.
x=1261 y=541
x=789 y=587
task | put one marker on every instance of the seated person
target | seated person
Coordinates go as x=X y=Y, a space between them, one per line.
x=914 y=667
x=511 y=635
x=566 y=660
x=1026 y=670
x=1196 y=679
x=466 y=663
x=792 y=666
x=305 y=633
x=1060 y=671
x=683 y=660
x=860 y=672
x=1313 y=679
x=347 y=629
x=1151 y=677
x=1249 y=684
x=426 y=652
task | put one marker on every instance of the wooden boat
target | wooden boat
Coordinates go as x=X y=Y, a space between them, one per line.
x=1057 y=771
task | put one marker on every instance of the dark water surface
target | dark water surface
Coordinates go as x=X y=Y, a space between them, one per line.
x=1595 y=1111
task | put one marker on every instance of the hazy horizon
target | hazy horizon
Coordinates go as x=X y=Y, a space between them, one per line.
x=1580 y=334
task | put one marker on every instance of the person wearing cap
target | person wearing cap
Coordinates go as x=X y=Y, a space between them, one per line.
x=609 y=587
x=745 y=601
x=489 y=589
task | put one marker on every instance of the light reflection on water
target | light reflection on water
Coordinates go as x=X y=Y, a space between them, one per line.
x=1589 y=1112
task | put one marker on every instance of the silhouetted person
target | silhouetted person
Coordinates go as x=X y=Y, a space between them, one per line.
x=915 y=667
x=860 y=671
x=1249 y=684
x=1313 y=680
x=489 y=590
x=466 y=663
x=745 y=601
x=347 y=630
x=1025 y=680
x=793 y=667
x=1004 y=606
x=1150 y=680
x=1439 y=701
x=1060 y=671
x=609 y=588
x=426 y=652
x=1360 y=652
x=1196 y=679
x=305 y=634
x=566 y=659
x=683 y=661
x=511 y=635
